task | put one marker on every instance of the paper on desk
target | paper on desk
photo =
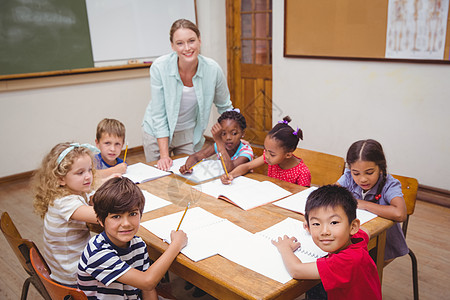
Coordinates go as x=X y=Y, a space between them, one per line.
x=206 y=169
x=297 y=201
x=257 y=253
x=206 y=232
x=244 y=192
x=140 y=172
x=153 y=202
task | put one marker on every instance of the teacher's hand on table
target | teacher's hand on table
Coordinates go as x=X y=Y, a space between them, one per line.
x=164 y=163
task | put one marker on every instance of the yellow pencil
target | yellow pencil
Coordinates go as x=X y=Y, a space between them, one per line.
x=196 y=164
x=183 y=215
x=125 y=155
x=223 y=163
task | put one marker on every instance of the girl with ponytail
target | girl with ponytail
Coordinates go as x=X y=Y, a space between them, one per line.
x=376 y=191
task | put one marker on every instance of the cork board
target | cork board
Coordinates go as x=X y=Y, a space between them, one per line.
x=340 y=29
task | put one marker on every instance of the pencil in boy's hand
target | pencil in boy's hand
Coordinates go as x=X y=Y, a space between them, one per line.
x=125 y=155
x=183 y=215
x=223 y=163
x=195 y=164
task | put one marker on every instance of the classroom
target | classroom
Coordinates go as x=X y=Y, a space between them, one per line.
x=402 y=104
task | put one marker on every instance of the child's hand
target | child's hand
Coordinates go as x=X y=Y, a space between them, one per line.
x=286 y=242
x=216 y=132
x=120 y=168
x=226 y=179
x=179 y=238
x=184 y=169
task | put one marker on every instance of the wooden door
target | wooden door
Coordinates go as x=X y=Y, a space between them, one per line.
x=249 y=51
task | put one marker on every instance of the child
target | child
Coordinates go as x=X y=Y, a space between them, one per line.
x=279 y=145
x=110 y=138
x=376 y=191
x=227 y=134
x=61 y=196
x=348 y=271
x=116 y=262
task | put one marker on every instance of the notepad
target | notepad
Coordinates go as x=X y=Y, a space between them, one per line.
x=244 y=192
x=140 y=173
x=296 y=202
x=257 y=253
x=207 y=233
x=205 y=170
x=153 y=202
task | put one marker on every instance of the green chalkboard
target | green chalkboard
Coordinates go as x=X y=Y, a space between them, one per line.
x=44 y=35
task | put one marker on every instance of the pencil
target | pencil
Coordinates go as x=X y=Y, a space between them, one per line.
x=223 y=163
x=183 y=215
x=196 y=164
x=125 y=155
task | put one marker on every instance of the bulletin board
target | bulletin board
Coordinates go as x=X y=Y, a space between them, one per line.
x=354 y=29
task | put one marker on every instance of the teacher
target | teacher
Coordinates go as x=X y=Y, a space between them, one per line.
x=184 y=85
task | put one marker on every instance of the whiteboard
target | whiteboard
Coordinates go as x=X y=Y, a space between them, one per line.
x=133 y=30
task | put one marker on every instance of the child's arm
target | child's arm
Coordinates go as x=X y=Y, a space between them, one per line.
x=396 y=211
x=149 y=295
x=242 y=169
x=119 y=168
x=196 y=157
x=85 y=213
x=298 y=270
x=149 y=279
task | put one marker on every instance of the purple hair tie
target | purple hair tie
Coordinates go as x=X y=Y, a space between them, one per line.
x=284 y=121
x=296 y=132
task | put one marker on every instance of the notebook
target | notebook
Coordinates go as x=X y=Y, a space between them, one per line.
x=257 y=253
x=206 y=232
x=244 y=192
x=140 y=172
x=297 y=202
x=153 y=202
x=205 y=170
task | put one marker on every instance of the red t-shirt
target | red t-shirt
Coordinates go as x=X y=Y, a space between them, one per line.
x=299 y=174
x=351 y=273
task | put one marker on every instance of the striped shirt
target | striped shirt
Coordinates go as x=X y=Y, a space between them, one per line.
x=243 y=150
x=102 y=263
x=64 y=239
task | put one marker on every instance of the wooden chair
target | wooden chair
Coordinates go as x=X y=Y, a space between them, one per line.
x=55 y=290
x=409 y=189
x=325 y=168
x=21 y=248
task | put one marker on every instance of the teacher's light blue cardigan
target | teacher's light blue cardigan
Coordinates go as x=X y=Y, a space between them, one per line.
x=210 y=87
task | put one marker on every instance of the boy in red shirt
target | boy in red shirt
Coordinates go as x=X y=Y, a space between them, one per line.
x=347 y=272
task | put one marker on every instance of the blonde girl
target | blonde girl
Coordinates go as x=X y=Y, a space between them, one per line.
x=279 y=145
x=61 y=188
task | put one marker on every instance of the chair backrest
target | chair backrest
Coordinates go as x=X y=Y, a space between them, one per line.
x=409 y=190
x=325 y=168
x=55 y=290
x=19 y=245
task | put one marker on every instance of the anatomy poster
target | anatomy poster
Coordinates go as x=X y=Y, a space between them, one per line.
x=416 y=29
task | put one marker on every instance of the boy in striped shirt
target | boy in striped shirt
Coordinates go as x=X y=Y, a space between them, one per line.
x=115 y=263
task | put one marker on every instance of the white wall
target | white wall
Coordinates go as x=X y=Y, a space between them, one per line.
x=33 y=120
x=336 y=102
x=405 y=106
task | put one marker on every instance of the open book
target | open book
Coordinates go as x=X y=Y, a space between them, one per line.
x=153 y=202
x=140 y=172
x=206 y=169
x=206 y=232
x=296 y=202
x=244 y=192
x=260 y=255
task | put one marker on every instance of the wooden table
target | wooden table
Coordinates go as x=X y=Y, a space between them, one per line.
x=218 y=276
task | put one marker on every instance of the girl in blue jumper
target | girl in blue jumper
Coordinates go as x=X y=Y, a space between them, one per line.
x=376 y=191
